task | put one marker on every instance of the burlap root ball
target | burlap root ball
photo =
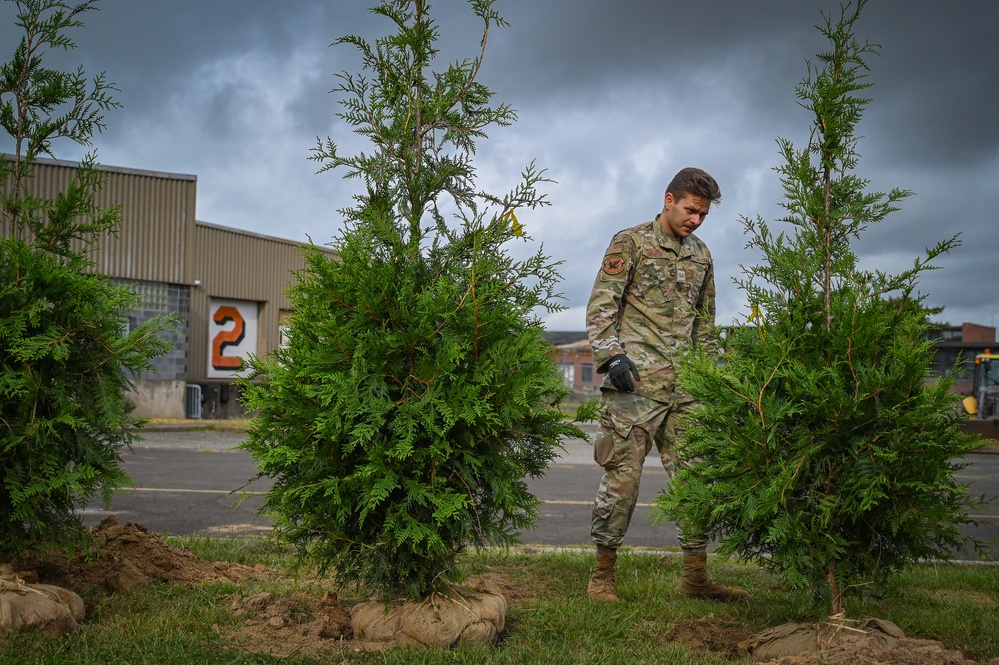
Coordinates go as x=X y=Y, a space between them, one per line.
x=467 y=614
x=48 y=609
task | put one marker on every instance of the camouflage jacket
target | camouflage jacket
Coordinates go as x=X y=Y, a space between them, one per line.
x=654 y=295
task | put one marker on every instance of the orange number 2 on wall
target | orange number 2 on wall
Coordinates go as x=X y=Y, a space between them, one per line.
x=225 y=338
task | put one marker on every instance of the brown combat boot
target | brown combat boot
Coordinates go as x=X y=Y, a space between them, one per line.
x=695 y=582
x=601 y=587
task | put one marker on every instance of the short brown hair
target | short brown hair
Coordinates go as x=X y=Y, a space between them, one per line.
x=694 y=181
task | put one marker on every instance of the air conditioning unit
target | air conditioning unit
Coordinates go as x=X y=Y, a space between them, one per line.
x=192 y=401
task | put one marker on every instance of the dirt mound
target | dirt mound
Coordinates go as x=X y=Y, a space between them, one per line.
x=298 y=623
x=130 y=556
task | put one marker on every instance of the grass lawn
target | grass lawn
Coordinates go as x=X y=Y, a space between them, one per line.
x=549 y=619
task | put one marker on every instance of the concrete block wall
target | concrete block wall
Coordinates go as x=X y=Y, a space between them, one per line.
x=156 y=299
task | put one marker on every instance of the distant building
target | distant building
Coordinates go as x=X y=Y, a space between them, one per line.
x=960 y=343
x=227 y=286
x=571 y=350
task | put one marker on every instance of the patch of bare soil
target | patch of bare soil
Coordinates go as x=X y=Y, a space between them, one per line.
x=719 y=635
x=296 y=624
x=130 y=556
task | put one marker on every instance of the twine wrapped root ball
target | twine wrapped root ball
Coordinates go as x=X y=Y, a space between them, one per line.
x=45 y=608
x=467 y=614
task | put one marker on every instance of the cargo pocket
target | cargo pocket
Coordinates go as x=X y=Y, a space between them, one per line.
x=611 y=444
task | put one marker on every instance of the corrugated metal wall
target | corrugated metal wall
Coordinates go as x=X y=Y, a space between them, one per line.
x=157 y=228
x=160 y=213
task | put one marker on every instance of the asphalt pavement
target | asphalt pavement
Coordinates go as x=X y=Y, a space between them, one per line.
x=197 y=482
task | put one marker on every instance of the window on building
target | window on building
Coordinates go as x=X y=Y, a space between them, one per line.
x=568 y=374
x=587 y=374
x=951 y=334
x=284 y=327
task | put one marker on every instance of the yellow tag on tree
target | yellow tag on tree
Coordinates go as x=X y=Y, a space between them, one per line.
x=518 y=230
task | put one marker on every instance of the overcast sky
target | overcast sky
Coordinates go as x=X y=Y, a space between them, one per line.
x=613 y=98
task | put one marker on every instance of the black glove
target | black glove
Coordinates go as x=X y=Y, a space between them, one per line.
x=621 y=369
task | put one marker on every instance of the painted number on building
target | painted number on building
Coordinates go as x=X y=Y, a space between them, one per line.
x=233 y=334
x=224 y=338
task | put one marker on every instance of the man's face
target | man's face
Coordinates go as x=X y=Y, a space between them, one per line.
x=681 y=217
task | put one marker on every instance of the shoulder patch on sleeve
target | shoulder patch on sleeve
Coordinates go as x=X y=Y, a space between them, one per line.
x=616 y=248
x=613 y=265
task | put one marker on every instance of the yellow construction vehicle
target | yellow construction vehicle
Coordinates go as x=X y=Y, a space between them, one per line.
x=983 y=403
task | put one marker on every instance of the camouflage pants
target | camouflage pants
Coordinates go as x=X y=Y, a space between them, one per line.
x=629 y=426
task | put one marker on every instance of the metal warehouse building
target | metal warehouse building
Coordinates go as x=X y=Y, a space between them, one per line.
x=227 y=286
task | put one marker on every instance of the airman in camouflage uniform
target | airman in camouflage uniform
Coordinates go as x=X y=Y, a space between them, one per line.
x=654 y=296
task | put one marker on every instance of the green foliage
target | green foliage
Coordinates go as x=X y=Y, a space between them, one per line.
x=827 y=456
x=64 y=358
x=417 y=391
x=42 y=105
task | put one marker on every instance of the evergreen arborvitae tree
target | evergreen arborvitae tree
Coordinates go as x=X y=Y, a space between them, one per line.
x=416 y=392
x=827 y=456
x=65 y=358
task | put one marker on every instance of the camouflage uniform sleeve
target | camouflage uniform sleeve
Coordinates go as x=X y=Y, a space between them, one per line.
x=704 y=317
x=607 y=300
